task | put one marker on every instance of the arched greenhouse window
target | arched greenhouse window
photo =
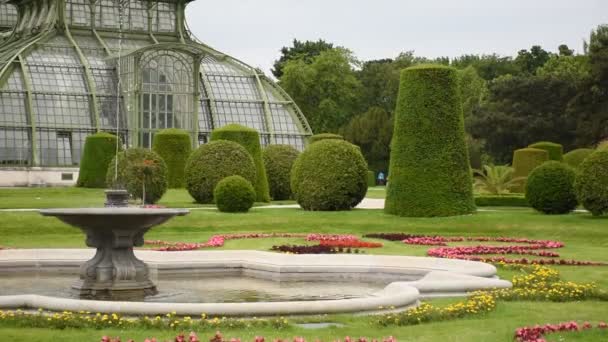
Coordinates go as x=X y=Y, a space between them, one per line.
x=167 y=93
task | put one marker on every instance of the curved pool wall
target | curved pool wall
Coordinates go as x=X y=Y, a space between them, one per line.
x=411 y=279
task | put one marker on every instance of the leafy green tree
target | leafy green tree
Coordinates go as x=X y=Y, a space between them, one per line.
x=326 y=89
x=529 y=61
x=488 y=67
x=305 y=51
x=473 y=89
x=574 y=69
x=380 y=84
x=564 y=50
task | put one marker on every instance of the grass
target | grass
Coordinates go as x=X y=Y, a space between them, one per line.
x=586 y=238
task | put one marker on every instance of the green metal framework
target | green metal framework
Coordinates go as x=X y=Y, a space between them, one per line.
x=61 y=62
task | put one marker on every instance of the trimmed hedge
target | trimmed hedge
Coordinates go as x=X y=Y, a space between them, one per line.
x=429 y=163
x=174 y=146
x=592 y=183
x=524 y=161
x=371 y=178
x=324 y=136
x=550 y=188
x=501 y=201
x=211 y=163
x=234 y=194
x=99 y=150
x=278 y=161
x=329 y=175
x=136 y=166
x=250 y=139
x=556 y=151
x=574 y=158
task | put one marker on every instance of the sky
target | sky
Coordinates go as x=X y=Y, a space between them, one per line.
x=255 y=30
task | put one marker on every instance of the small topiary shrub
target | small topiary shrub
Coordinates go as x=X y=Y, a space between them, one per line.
x=174 y=146
x=136 y=167
x=592 y=183
x=574 y=158
x=524 y=161
x=429 y=164
x=556 y=151
x=250 y=139
x=99 y=150
x=371 y=178
x=324 y=136
x=329 y=175
x=550 y=188
x=278 y=161
x=234 y=194
x=510 y=200
x=213 y=162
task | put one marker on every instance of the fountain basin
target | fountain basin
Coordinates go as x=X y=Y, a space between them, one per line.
x=409 y=279
x=114 y=272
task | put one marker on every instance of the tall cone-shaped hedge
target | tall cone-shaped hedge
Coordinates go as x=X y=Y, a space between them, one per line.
x=99 y=150
x=250 y=139
x=174 y=146
x=429 y=167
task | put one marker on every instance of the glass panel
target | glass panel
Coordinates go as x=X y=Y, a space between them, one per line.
x=212 y=66
x=138 y=15
x=15 y=147
x=78 y=12
x=12 y=109
x=8 y=15
x=282 y=120
x=163 y=19
x=64 y=148
x=233 y=87
x=53 y=110
x=244 y=113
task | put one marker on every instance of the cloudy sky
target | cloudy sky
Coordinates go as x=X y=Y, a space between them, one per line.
x=255 y=30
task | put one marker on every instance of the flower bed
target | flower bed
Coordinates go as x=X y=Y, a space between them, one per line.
x=536 y=333
x=318 y=249
x=192 y=337
x=350 y=244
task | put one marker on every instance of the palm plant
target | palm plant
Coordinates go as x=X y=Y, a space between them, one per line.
x=496 y=179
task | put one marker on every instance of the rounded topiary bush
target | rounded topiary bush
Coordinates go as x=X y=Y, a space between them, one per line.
x=250 y=139
x=324 y=136
x=556 y=151
x=329 y=175
x=550 y=188
x=524 y=161
x=174 y=146
x=574 y=158
x=592 y=183
x=136 y=167
x=99 y=150
x=429 y=164
x=211 y=163
x=234 y=194
x=278 y=161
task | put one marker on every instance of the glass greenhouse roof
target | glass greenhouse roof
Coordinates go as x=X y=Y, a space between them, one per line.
x=122 y=66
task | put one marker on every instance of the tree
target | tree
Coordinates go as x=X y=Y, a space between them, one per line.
x=564 y=50
x=326 y=89
x=488 y=67
x=380 y=84
x=473 y=89
x=304 y=51
x=529 y=61
x=574 y=69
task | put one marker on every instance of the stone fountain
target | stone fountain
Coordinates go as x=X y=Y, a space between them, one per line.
x=114 y=273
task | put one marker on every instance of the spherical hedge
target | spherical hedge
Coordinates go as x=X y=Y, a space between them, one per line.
x=324 y=136
x=278 y=161
x=234 y=194
x=592 y=183
x=524 y=161
x=550 y=188
x=174 y=146
x=429 y=163
x=99 y=150
x=250 y=139
x=137 y=166
x=556 y=151
x=211 y=163
x=574 y=158
x=329 y=175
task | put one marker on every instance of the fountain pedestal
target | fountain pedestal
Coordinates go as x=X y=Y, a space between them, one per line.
x=114 y=273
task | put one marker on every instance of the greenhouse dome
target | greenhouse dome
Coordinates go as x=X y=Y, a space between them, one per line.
x=69 y=68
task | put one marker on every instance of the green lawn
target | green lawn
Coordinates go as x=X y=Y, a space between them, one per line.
x=586 y=238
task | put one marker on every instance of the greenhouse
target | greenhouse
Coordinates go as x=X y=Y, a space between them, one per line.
x=69 y=68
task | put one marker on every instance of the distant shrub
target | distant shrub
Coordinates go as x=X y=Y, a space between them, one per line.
x=278 y=161
x=99 y=150
x=556 y=151
x=213 y=162
x=371 y=178
x=174 y=146
x=429 y=164
x=234 y=194
x=592 y=183
x=136 y=167
x=524 y=161
x=324 y=136
x=511 y=200
x=250 y=139
x=550 y=188
x=574 y=158
x=329 y=175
